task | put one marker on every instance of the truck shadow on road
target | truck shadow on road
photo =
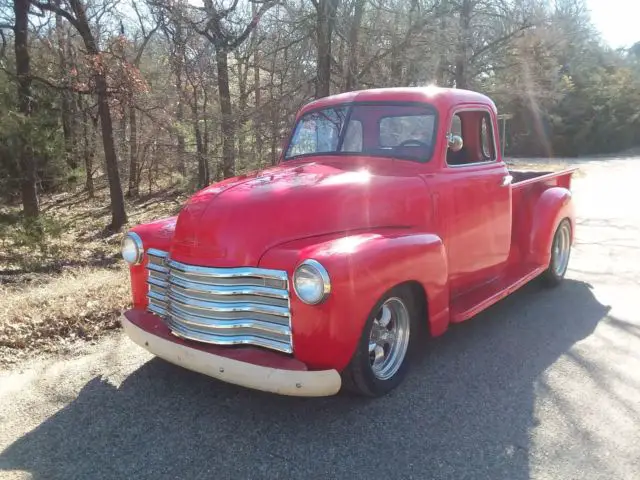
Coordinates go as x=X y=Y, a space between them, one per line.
x=466 y=410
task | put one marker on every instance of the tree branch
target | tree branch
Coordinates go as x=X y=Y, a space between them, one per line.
x=47 y=83
x=225 y=13
x=254 y=22
x=136 y=61
x=59 y=11
x=3 y=48
x=142 y=29
x=499 y=41
x=413 y=30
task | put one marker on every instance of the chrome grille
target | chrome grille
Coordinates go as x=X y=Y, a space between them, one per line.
x=223 y=306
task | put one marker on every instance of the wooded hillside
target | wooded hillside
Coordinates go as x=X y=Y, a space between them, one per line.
x=147 y=94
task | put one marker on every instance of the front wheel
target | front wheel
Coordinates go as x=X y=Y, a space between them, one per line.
x=560 y=252
x=380 y=361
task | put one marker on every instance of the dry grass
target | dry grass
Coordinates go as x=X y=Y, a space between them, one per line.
x=72 y=285
x=80 y=303
x=75 y=230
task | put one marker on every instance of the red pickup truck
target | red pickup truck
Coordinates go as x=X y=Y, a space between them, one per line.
x=391 y=213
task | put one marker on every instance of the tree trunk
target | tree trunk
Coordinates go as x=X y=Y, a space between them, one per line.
x=326 y=17
x=243 y=73
x=182 y=164
x=30 y=202
x=257 y=121
x=257 y=118
x=352 y=59
x=274 y=142
x=203 y=170
x=273 y=114
x=118 y=213
x=228 y=129
x=205 y=137
x=81 y=23
x=178 y=66
x=134 y=181
x=89 y=132
x=462 y=60
x=66 y=99
x=441 y=67
x=121 y=135
x=396 y=59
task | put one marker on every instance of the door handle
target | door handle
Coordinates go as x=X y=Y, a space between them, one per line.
x=506 y=181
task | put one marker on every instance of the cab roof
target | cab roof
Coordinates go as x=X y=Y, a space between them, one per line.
x=440 y=98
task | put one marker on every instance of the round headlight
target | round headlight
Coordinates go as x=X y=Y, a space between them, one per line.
x=311 y=282
x=132 y=248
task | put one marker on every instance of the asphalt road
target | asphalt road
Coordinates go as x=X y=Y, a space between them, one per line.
x=545 y=384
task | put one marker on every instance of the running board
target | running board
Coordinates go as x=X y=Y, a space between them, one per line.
x=465 y=306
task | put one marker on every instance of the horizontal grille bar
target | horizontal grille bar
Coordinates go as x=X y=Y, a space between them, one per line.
x=176 y=296
x=230 y=289
x=154 y=253
x=206 y=323
x=222 y=306
x=157 y=268
x=228 y=272
x=189 y=334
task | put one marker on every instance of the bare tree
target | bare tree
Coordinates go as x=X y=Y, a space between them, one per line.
x=325 y=23
x=134 y=179
x=352 y=80
x=67 y=104
x=217 y=27
x=77 y=16
x=23 y=73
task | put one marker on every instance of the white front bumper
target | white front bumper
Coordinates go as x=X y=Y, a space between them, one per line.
x=283 y=382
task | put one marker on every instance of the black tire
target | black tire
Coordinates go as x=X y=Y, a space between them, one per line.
x=554 y=274
x=359 y=376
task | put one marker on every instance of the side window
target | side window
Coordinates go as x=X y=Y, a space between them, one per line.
x=476 y=130
x=456 y=125
x=486 y=138
x=460 y=157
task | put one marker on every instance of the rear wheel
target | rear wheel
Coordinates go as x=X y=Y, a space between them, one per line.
x=560 y=253
x=381 y=359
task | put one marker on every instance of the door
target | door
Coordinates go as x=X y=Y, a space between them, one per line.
x=477 y=192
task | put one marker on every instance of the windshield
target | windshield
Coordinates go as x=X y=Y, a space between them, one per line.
x=399 y=131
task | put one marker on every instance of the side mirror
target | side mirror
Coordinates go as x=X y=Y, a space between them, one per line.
x=454 y=142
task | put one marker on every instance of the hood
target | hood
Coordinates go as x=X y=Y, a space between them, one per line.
x=232 y=223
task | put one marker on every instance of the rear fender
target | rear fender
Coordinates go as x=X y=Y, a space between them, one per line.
x=362 y=267
x=554 y=205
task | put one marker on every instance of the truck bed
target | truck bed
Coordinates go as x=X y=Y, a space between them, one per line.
x=561 y=178
x=527 y=187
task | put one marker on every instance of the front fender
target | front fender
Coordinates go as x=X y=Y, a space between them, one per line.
x=552 y=207
x=362 y=267
x=158 y=235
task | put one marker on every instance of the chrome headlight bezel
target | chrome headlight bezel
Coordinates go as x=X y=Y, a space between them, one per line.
x=315 y=269
x=132 y=240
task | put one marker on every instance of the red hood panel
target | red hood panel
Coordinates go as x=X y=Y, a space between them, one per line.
x=232 y=223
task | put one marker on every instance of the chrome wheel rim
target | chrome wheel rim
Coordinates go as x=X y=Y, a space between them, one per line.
x=389 y=338
x=561 y=249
